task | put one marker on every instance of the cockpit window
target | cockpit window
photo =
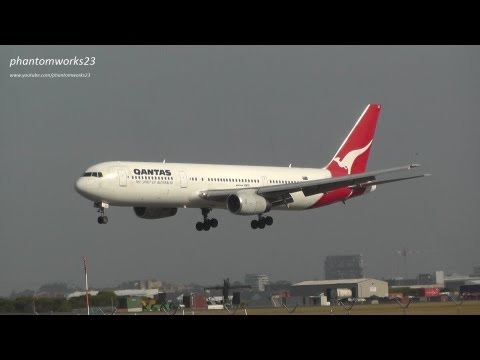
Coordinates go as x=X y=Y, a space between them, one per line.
x=95 y=174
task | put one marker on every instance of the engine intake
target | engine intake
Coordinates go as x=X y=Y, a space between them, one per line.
x=247 y=204
x=154 y=213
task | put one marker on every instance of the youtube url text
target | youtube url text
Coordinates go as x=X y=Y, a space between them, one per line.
x=49 y=75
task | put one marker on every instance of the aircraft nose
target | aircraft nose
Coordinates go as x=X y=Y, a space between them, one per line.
x=80 y=186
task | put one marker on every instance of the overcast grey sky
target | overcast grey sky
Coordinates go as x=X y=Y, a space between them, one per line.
x=257 y=105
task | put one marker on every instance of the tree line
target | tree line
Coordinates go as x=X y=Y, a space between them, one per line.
x=31 y=304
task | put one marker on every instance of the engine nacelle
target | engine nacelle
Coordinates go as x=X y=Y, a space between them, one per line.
x=154 y=213
x=247 y=204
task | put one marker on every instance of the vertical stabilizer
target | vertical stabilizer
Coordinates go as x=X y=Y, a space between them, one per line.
x=352 y=156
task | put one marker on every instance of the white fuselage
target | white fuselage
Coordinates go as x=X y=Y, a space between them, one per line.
x=169 y=185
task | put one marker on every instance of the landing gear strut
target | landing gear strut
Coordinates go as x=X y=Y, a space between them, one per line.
x=207 y=223
x=261 y=222
x=102 y=219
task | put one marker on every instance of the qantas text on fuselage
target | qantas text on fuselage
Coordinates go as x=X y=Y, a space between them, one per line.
x=152 y=172
x=158 y=190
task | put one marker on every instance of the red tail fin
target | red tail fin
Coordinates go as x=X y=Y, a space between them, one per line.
x=352 y=157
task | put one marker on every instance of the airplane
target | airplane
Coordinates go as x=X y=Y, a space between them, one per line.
x=157 y=190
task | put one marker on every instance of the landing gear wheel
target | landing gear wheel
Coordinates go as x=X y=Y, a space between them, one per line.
x=199 y=226
x=269 y=220
x=206 y=225
x=102 y=220
x=261 y=223
x=214 y=223
x=254 y=224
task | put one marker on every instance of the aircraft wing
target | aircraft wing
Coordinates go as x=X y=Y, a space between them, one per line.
x=281 y=193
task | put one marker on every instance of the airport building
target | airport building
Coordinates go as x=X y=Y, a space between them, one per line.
x=344 y=267
x=256 y=281
x=341 y=288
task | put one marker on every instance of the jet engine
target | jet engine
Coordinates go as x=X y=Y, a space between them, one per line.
x=154 y=213
x=243 y=203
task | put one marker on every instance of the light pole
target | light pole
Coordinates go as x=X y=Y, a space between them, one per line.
x=33 y=298
x=86 y=283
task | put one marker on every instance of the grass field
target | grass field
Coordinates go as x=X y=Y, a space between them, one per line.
x=432 y=308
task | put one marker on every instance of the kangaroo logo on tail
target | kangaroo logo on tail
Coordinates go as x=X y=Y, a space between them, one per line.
x=350 y=158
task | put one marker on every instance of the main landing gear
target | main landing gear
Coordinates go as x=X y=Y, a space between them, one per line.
x=261 y=222
x=207 y=223
x=102 y=219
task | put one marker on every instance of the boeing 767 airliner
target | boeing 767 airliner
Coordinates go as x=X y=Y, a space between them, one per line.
x=157 y=190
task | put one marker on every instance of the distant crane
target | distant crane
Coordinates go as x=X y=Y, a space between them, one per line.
x=406 y=253
x=226 y=288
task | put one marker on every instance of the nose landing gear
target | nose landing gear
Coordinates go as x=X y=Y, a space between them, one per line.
x=102 y=219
